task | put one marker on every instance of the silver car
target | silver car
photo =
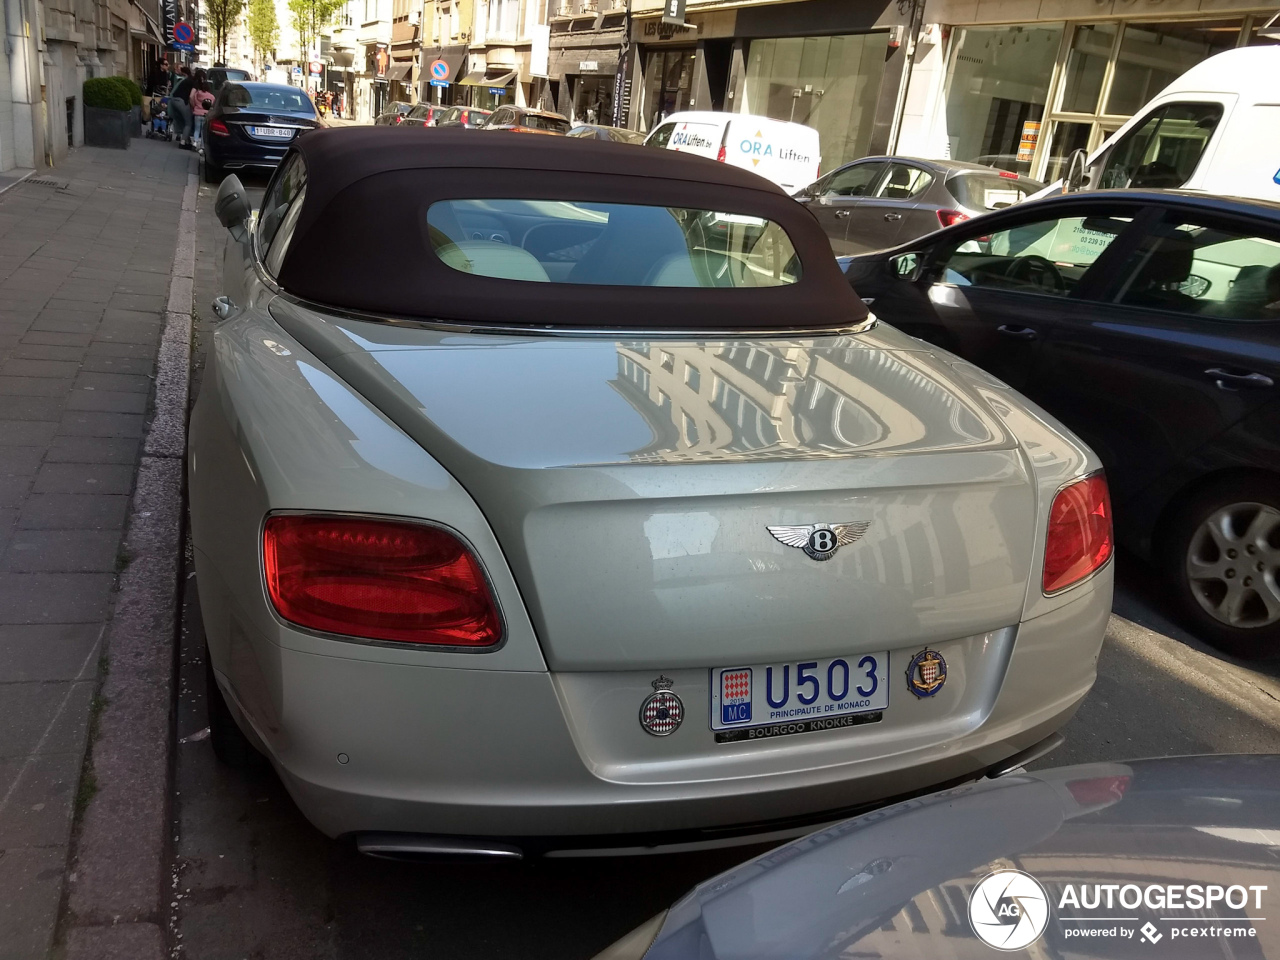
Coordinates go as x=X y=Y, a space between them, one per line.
x=584 y=506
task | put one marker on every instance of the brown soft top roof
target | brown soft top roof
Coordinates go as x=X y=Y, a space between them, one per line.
x=361 y=241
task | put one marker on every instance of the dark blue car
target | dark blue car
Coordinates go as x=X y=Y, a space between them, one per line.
x=1148 y=321
x=252 y=125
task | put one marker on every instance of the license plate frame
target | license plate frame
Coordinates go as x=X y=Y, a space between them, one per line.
x=767 y=700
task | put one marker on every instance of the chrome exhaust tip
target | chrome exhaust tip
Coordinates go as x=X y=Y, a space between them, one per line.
x=419 y=846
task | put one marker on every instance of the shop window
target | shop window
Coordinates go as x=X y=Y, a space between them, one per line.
x=1087 y=67
x=829 y=83
x=668 y=84
x=1153 y=55
x=997 y=83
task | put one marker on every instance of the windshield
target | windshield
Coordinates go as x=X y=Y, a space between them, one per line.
x=610 y=244
x=270 y=98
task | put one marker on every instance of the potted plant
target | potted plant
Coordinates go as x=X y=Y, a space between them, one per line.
x=108 y=112
x=135 y=98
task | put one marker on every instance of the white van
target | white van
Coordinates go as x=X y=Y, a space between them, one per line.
x=1215 y=129
x=786 y=153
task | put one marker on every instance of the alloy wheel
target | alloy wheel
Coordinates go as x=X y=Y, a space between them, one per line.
x=1232 y=565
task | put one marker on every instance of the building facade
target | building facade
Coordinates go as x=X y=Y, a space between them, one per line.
x=1022 y=83
x=50 y=48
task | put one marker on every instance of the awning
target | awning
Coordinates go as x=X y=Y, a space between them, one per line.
x=398 y=71
x=342 y=59
x=453 y=56
x=151 y=24
x=486 y=79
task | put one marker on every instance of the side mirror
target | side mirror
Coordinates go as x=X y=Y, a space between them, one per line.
x=906 y=266
x=1073 y=179
x=232 y=205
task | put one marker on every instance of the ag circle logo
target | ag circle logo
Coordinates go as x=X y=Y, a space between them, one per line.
x=1008 y=910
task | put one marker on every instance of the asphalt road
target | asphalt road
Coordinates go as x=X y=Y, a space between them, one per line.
x=253 y=879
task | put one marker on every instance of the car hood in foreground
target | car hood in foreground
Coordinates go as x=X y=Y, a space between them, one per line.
x=631 y=483
x=897 y=883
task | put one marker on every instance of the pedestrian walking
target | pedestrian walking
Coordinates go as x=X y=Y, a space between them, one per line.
x=180 y=108
x=201 y=100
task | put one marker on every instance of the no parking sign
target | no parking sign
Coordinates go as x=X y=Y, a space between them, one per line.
x=184 y=36
x=439 y=70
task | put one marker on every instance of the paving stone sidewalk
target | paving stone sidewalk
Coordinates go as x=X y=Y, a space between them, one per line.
x=86 y=251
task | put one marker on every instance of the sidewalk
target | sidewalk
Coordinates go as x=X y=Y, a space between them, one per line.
x=86 y=251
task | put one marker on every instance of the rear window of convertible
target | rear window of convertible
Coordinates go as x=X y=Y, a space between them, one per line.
x=610 y=244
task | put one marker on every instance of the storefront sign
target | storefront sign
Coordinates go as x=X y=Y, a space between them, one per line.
x=588 y=66
x=673 y=11
x=1027 y=145
x=381 y=60
x=665 y=31
x=540 y=50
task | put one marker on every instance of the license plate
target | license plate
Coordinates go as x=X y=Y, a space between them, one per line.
x=279 y=133
x=770 y=700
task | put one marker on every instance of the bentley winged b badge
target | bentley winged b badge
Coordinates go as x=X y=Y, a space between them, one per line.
x=820 y=540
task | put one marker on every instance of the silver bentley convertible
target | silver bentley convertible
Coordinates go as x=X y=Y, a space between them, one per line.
x=582 y=505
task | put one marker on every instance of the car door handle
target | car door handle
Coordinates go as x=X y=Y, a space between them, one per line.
x=1022 y=333
x=893 y=216
x=840 y=214
x=1231 y=381
x=223 y=306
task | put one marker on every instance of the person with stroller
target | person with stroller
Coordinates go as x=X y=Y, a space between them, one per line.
x=180 y=108
x=201 y=100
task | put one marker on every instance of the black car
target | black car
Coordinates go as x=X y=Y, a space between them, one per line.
x=220 y=76
x=469 y=117
x=879 y=202
x=252 y=125
x=393 y=115
x=1101 y=861
x=1148 y=321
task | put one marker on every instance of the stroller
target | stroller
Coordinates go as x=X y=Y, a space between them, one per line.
x=160 y=124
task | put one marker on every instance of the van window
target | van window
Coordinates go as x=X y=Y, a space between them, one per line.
x=661 y=137
x=1164 y=149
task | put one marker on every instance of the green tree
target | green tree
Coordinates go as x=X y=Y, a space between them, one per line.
x=309 y=17
x=264 y=29
x=221 y=16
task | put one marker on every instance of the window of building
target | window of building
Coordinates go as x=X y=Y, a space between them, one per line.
x=829 y=83
x=997 y=87
x=668 y=84
x=504 y=18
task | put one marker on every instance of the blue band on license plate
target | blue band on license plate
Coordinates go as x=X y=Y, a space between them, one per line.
x=794 y=695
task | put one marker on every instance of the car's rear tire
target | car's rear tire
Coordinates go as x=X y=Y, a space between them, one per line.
x=229 y=743
x=212 y=172
x=1223 y=555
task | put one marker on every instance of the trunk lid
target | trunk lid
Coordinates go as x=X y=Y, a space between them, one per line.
x=631 y=484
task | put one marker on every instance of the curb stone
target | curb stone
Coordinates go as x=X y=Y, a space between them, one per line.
x=117 y=888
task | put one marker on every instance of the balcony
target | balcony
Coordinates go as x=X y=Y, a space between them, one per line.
x=581 y=8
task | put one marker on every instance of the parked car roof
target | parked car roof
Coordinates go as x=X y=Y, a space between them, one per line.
x=368 y=184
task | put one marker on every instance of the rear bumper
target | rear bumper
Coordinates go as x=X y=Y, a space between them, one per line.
x=231 y=153
x=365 y=746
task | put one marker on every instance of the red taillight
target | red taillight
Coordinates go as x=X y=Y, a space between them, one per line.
x=399 y=118
x=720 y=154
x=378 y=579
x=948 y=217
x=1079 y=539
x=219 y=128
x=1098 y=790
x=466 y=118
